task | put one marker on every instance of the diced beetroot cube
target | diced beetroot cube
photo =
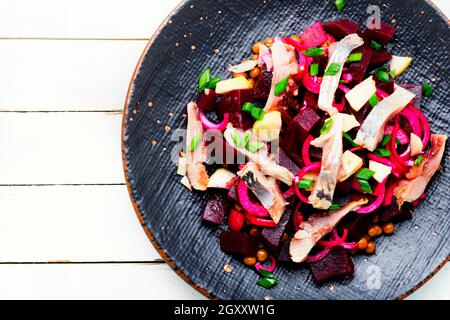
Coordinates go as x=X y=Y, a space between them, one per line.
x=206 y=100
x=236 y=220
x=216 y=208
x=315 y=154
x=357 y=225
x=337 y=264
x=272 y=236
x=287 y=115
x=382 y=35
x=393 y=213
x=358 y=69
x=285 y=161
x=379 y=58
x=313 y=36
x=341 y=28
x=303 y=123
x=387 y=87
x=232 y=103
x=263 y=85
x=310 y=100
x=362 y=114
x=283 y=254
x=238 y=243
x=417 y=90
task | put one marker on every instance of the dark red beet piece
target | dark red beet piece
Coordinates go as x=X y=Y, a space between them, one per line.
x=285 y=161
x=394 y=213
x=303 y=123
x=263 y=85
x=387 y=87
x=310 y=100
x=341 y=28
x=358 y=69
x=362 y=114
x=216 y=208
x=357 y=225
x=283 y=254
x=379 y=58
x=337 y=264
x=232 y=103
x=382 y=35
x=238 y=243
x=206 y=100
x=314 y=35
x=272 y=236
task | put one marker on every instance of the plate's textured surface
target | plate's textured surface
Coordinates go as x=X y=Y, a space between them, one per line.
x=203 y=34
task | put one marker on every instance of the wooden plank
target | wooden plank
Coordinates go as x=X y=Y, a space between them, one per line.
x=66 y=75
x=93 y=281
x=83 y=18
x=60 y=148
x=70 y=223
x=128 y=281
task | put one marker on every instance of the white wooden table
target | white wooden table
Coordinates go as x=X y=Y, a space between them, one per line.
x=67 y=227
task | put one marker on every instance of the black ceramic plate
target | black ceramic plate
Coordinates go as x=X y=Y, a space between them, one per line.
x=203 y=33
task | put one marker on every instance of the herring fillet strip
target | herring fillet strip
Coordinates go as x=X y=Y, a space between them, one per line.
x=265 y=189
x=318 y=226
x=268 y=166
x=195 y=170
x=330 y=84
x=322 y=194
x=372 y=129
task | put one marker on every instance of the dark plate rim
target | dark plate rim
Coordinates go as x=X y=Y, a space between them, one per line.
x=139 y=215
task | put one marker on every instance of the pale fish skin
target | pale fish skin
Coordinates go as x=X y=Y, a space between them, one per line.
x=339 y=53
x=195 y=170
x=419 y=176
x=372 y=130
x=265 y=189
x=322 y=194
x=267 y=165
x=318 y=226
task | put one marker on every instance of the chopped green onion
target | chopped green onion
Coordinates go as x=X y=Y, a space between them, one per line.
x=267 y=274
x=333 y=69
x=385 y=140
x=350 y=140
x=427 y=89
x=314 y=52
x=314 y=69
x=340 y=4
x=382 y=152
x=257 y=113
x=267 y=283
x=237 y=139
x=213 y=82
x=365 y=186
x=334 y=206
x=195 y=142
x=365 y=174
x=375 y=45
x=355 y=57
x=204 y=79
x=419 y=160
x=306 y=184
x=373 y=101
x=254 y=146
x=247 y=137
x=383 y=75
x=248 y=107
x=281 y=86
x=326 y=126
x=392 y=74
